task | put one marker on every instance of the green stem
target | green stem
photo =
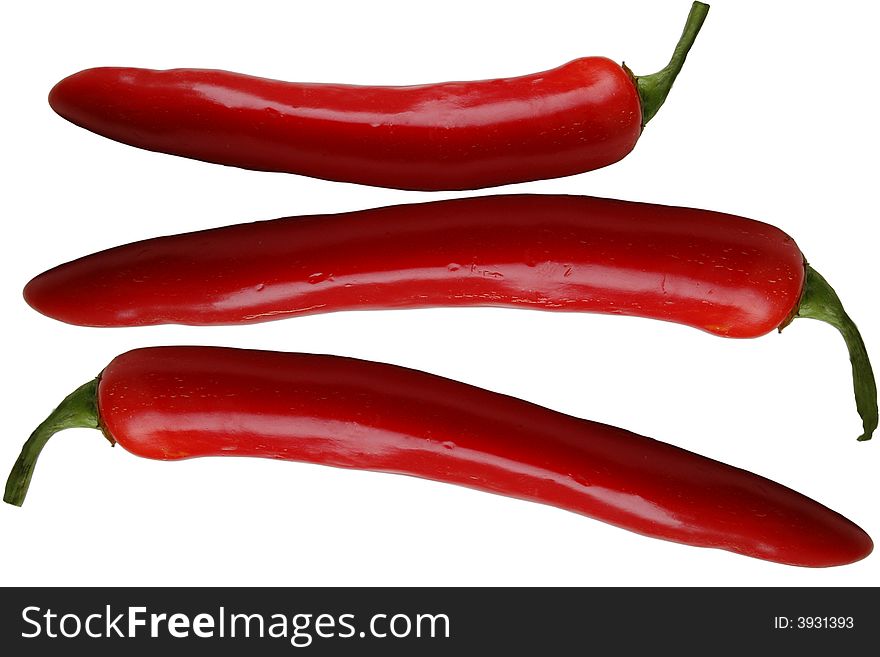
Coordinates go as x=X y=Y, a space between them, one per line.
x=79 y=409
x=654 y=88
x=820 y=301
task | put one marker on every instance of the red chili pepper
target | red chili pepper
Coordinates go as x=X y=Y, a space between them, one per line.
x=728 y=275
x=179 y=402
x=581 y=116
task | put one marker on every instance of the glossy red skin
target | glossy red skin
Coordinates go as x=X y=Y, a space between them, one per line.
x=454 y=135
x=724 y=274
x=180 y=402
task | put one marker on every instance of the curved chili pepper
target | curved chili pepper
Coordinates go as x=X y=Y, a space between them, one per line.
x=731 y=276
x=584 y=115
x=179 y=402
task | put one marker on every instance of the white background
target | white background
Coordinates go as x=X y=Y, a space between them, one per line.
x=773 y=118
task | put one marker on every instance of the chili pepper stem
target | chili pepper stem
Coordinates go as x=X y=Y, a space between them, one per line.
x=78 y=410
x=654 y=88
x=820 y=301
